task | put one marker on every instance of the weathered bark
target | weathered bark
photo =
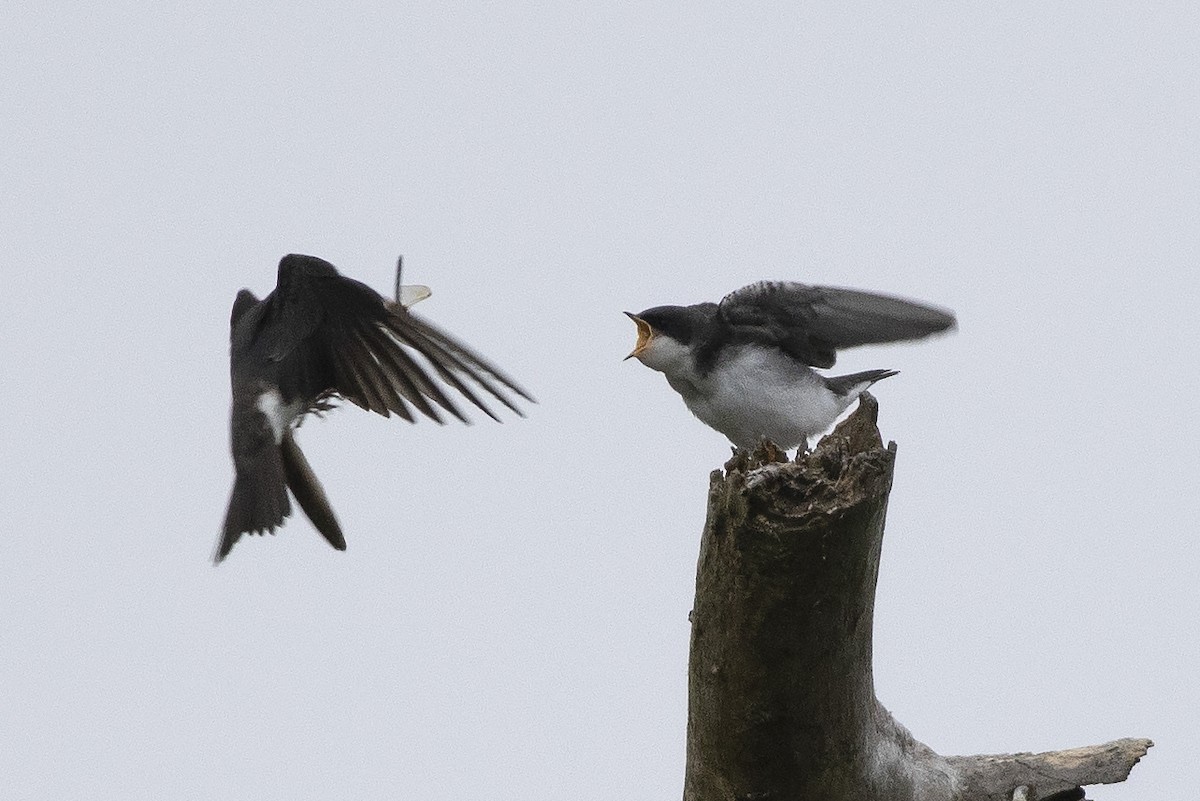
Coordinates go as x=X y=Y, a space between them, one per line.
x=782 y=700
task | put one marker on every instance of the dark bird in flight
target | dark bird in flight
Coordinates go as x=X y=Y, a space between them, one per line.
x=744 y=365
x=318 y=337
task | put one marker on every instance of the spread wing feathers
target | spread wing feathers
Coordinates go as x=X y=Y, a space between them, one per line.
x=812 y=322
x=453 y=360
x=334 y=335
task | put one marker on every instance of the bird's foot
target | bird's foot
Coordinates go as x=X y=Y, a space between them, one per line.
x=768 y=452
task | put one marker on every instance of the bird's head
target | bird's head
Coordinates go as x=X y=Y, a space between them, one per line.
x=665 y=335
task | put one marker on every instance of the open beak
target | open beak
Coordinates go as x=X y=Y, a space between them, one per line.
x=645 y=334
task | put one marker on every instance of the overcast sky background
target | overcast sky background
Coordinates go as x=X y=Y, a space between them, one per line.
x=510 y=619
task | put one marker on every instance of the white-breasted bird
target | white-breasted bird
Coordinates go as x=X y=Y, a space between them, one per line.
x=317 y=337
x=744 y=366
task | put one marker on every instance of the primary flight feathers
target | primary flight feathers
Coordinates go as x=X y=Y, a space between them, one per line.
x=811 y=323
x=319 y=336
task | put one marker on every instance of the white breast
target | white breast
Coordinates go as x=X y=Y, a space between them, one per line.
x=754 y=392
x=279 y=414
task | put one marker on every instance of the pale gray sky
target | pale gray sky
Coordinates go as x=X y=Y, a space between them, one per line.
x=510 y=620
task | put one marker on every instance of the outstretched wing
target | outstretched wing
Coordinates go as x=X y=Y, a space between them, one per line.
x=811 y=323
x=331 y=334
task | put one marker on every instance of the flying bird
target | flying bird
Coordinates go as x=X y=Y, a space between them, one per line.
x=320 y=336
x=744 y=366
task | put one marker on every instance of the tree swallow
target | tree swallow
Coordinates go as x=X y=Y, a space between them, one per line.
x=744 y=365
x=318 y=337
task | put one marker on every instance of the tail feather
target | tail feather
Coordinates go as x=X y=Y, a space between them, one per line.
x=852 y=385
x=259 y=501
x=309 y=493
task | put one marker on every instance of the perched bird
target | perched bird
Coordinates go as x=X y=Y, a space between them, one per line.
x=317 y=337
x=744 y=365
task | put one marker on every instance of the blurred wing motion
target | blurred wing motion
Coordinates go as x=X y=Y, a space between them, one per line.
x=810 y=323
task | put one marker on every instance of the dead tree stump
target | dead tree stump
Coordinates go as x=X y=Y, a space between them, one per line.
x=781 y=696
